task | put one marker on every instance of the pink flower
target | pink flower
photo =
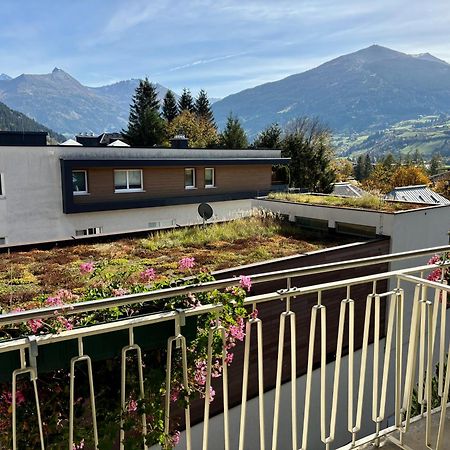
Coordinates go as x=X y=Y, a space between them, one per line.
x=132 y=405
x=229 y=358
x=79 y=446
x=54 y=301
x=237 y=331
x=186 y=263
x=175 y=438
x=434 y=259
x=212 y=393
x=148 y=275
x=35 y=325
x=254 y=314
x=20 y=397
x=18 y=310
x=245 y=282
x=174 y=394
x=87 y=267
x=119 y=292
x=65 y=323
x=435 y=275
x=200 y=372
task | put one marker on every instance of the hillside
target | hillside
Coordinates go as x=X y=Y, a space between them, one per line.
x=11 y=120
x=61 y=102
x=428 y=135
x=369 y=89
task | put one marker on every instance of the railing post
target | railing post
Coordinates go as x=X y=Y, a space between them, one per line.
x=276 y=412
x=123 y=372
x=81 y=357
x=180 y=342
x=248 y=327
x=216 y=328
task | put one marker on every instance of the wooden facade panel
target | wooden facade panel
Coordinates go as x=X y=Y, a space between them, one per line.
x=166 y=182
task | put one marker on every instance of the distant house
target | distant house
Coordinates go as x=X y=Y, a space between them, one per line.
x=346 y=189
x=102 y=140
x=417 y=194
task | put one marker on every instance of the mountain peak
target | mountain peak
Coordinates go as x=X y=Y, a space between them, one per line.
x=4 y=76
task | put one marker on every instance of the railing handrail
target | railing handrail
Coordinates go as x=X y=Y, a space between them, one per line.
x=160 y=294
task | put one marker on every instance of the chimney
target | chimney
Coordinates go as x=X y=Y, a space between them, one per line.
x=179 y=141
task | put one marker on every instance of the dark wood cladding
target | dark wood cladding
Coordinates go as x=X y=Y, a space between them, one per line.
x=168 y=182
x=270 y=312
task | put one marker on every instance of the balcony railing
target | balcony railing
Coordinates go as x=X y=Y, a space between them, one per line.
x=395 y=361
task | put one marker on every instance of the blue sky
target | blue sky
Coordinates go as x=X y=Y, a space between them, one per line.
x=221 y=46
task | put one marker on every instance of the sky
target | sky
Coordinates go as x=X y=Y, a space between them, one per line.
x=222 y=46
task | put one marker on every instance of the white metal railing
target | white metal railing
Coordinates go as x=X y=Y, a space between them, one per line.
x=426 y=343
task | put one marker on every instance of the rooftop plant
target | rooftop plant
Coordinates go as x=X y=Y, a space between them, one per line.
x=368 y=201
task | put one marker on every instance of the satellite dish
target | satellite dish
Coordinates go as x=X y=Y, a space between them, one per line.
x=205 y=211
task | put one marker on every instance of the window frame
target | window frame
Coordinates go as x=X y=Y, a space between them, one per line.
x=128 y=189
x=91 y=231
x=2 y=185
x=86 y=192
x=194 y=178
x=213 y=185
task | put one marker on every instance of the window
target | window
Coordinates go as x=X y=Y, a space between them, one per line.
x=189 y=178
x=79 y=182
x=89 y=231
x=355 y=230
x=128 y=180
x=2 y=240
x=209 y=177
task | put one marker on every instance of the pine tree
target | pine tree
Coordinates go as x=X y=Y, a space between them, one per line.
x=202 y=107
x=269 y=137
x=359 y=168
x=169 y=108
x=233 y=136
x=368 y=167
x=145 y=126
x=186 y=102
x=435 y=163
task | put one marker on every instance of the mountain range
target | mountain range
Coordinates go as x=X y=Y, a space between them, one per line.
x=368 y=89
x=62 y=103
x=11 y=120
x=364 y=91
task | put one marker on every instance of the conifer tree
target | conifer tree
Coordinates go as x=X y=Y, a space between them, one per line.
x=233 y=136
x=367 y=166
x=145 y=126
x=169 y=108
x=269 y=137
x=186 y=102
x=202 y=107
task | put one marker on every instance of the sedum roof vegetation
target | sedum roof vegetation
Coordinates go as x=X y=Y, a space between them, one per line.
x=26 y=276
x=371 y=202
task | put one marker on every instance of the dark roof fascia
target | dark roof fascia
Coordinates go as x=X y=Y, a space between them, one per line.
x=184 y=162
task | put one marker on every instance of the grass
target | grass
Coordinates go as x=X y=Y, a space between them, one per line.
x=26 y=275
x=368 y=201
x=230 y=232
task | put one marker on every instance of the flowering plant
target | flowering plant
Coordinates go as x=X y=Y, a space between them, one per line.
x=440 y=273
x=54 y=387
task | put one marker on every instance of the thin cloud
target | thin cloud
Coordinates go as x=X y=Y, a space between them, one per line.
x=202 y=62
